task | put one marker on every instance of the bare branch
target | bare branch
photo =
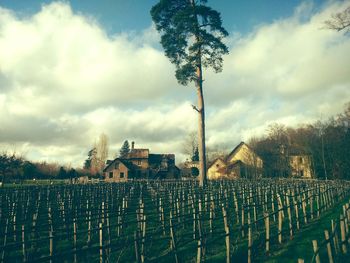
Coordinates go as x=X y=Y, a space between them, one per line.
x=195 y=108
x=340 y=21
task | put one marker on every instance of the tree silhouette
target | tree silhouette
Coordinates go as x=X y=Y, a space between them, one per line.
x=124 y=151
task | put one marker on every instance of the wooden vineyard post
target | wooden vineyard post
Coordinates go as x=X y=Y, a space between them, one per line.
x=311 y=205
x=103 y=212
x=280 y=207
x=172 y=235
x=255 y=216
x=101 y=241
x=137 y=256
x=335 y=237
x=143 y=240
x=89 y=230
x=273 y=206
x=304 y=208
x=178 y=210
x=5 y=240
x=249 y=240
x=343 y=236
x=227 y=236
x=211 y=218
x=236 y=206
x=318 y=203
x=75 y=239
x=316 y=253
x=108 y=236
x=289 y=215
x=242 y=221
x=51 y=245
x=267 y=230
x=23 y=245
x=194 y=219
x=199 y=252
x=345 y=219
x=296 y=210
x=119 y=222
x=329 y=249
x=14 y=229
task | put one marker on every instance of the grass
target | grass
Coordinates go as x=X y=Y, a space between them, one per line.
x=301 y=244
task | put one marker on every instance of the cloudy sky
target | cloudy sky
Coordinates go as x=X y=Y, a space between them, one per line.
x=72 y=70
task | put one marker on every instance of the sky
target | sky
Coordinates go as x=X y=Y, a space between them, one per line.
x=71 y=70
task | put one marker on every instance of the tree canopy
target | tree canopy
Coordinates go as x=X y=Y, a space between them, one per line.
x=191 y=35
x=125 y=149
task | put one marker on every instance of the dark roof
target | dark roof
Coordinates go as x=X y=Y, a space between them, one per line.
x=219 y=158
x=128 y=164
x=156 y=159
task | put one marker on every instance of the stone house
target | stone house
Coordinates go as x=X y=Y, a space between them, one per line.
x=242 y=162
x=300 y=163
x=140 y=164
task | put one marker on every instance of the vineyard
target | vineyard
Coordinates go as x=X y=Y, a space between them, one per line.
x=169 y=221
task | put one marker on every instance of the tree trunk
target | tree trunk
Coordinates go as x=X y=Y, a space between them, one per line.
x=201 y=129
x=323 y=158
x=201 y=113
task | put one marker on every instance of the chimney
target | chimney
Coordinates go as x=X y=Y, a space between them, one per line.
x=132 y=145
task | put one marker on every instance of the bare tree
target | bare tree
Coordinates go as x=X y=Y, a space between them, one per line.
x=340 y=21
x=190 y=144
x=102 y=151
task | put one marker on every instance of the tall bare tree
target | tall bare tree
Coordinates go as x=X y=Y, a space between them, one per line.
x=191 y=35
x=102 y=151
x=190 y=144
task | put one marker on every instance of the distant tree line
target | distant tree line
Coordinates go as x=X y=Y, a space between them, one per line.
x=16 y=167
x=326 y=142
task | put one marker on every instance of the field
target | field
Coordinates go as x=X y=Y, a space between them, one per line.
x=175 y=221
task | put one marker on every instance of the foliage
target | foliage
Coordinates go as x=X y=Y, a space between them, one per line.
x=10 y=165
x=195 y=156
x=192 y=35
x=124 y=150
x=327 y=143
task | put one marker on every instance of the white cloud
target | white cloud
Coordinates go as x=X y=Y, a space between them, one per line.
x=63 y=81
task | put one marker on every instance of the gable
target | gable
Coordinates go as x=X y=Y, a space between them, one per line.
x=244 y=154
x=218 y=163
x=116 y=164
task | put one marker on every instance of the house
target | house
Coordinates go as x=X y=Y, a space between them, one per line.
x=300 y=163
x=242 y=162
x=140 y=164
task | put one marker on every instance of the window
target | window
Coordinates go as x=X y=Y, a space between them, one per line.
x=138 y=162
x=110 y=174
x=116 y=166
x=301 y=160
x=121 y=175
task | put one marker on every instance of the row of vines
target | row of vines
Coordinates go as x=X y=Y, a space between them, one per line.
x=159 y=221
